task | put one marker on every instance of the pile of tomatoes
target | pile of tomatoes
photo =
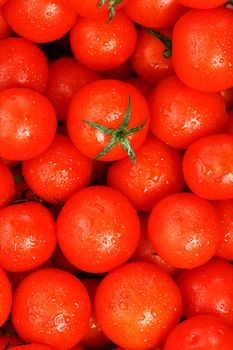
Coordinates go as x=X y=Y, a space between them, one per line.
x=116 y=174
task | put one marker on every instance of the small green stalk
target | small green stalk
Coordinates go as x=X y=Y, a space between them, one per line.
x=119 y=135
x=111 y=6
x=164 y=39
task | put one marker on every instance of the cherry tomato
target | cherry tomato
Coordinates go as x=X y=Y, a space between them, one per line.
x=207 y=289
x=200 y=4
x=124 y=71
x=22 y=64
x=229 y=125
x=58 y=172
x=151 y=58
x=5 y=29
x=108 y=119
x=7 y=188
x=141 y=85
x=102 y=46
x=11 y=164
x=61 y=262
x=32 y=346
x=94 y=338
x=203 y=49
x=208 y=167
x=51 y=307
x=8 y=340
x=155 y=14
x=98 y=229
x=157 y=172
x=137 y=305
x=181 y=115
x=5 y=297
x=184 y=230
x=200 y=333
x=27 y=124
x=39 y=20
x=66 y=77
x=228 y=97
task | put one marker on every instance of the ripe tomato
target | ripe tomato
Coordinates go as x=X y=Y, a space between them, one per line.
x=154 y=13
x=122 y=72
x=141 y=85
x=66 y=77
x=22 y=64
x=181 y=115
x=27 y=236
x=157 y=172
x=61 y=262
x=94 y=338
x=58 y=172
x=228 y=97
x=137 y=305
x=51 y=307
x=229 y=125
x=32 y=346
x=151 y=58
x=208 y=167
x=207 y=289
x=5 y=29
x=184 y=230
x=27 y=124
x=7 y=188
x=5 y=297
x=102 y=46
x=8 y=341
x=98 y=229
x=200 y=333
x=200 y=4
x=108 y=119
x=39 y=20
x=203 y=49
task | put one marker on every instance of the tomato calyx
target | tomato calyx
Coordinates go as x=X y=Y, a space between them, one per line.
x=111 y=6
x=119 y=135
x=164 y=39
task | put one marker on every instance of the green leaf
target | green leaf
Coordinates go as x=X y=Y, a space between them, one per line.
x=129 y=150
x=136 y=129
x=127 y=116
x=109 y=146
x=99 y=127
x=164 y=39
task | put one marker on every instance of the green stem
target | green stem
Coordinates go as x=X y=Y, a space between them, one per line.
x=164 y=39
x=111 y=6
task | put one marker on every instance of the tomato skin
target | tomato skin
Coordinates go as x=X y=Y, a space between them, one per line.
x=154 y=14
x=98 y=229
x=141 y=85
x=7 y=188
x=205 y=39
x=137 y=304
x=122 y=72
x=5 y=29
x=207 y=289
x=199 y=4
x=228 y=97
x=105 y=102
x=180 y=115
x=58 y=172
x=22 y=64
x=208 y=167
x=32 y=346
x=147 y=59
x=27 y=123
x=184 y=230
x=61 y=303
x=229 y=125
x=61 y=262
x=157 y=173
x=33 y=19
x=200 y=333
x=94 y=337
x=66 y=77
x=10 y=340
x=102 y=46
x=5 y=297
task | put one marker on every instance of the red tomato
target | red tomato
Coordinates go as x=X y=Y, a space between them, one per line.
x=108 y=119
x=66 y=77
x=200 y=333
x=157 y=172
x=208 y=167
x=184 y=230
x=151 y=58
x=102 y=46
x=51 y=307
x=229 y=125
x=11 y=164
x=141 y=85
x=22 y=64
x=225 y=213
x=228 y=97
x=203 y=49
x=39 y=20
x=180 y=115
x=137 y=305
x=98 y=229
x=5 y=29
x=94 y=338
x=58 y=172
x=5 y=297
x=27 y=124
x=61 y=262
x=200 y=4
x=27 y=236
x=207 y=289
x=7 y=188
x=154 y=13
x=32 y=346
x=8 y=341
x=124 y=71
x=78 y=347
